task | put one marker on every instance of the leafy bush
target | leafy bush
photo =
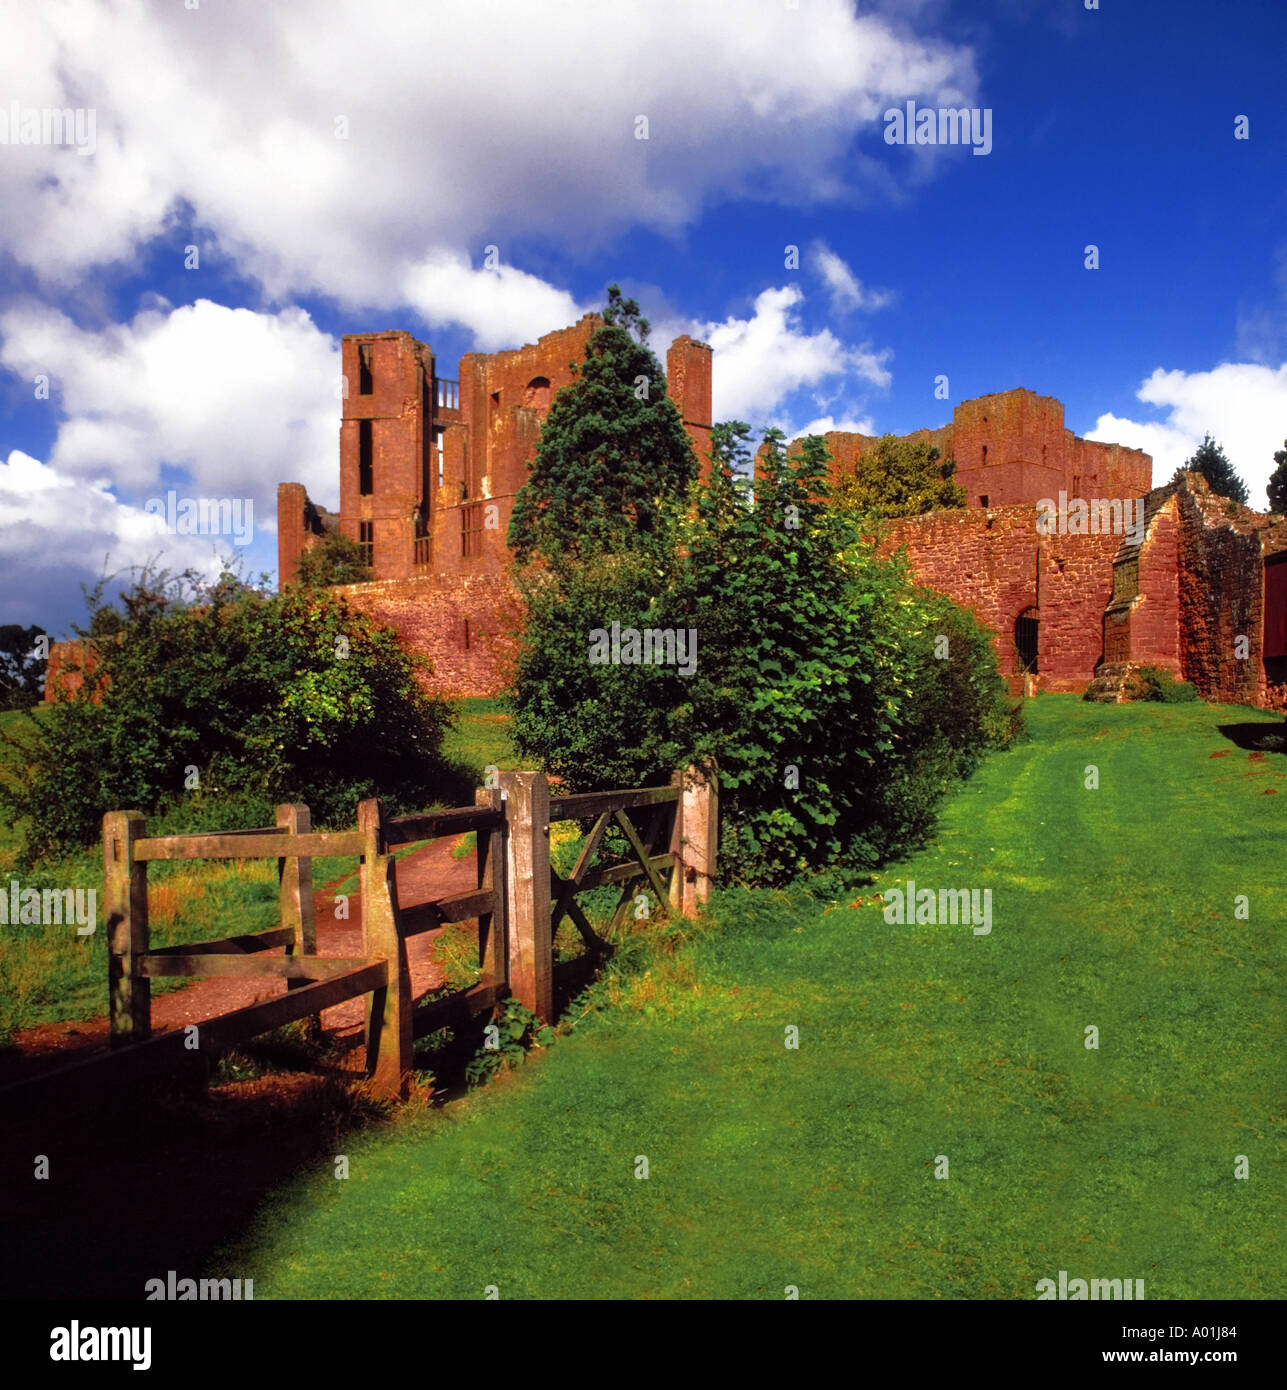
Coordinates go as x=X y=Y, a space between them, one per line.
x=823 y=692
x=222 y=700
x=517 y=1030
x=334 y=559
x=1157 y=683
x=899 y=477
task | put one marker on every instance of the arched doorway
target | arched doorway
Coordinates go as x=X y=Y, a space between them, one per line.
x=1026 y=629
x=537 y=395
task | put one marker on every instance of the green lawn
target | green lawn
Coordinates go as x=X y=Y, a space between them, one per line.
x=815 y=1167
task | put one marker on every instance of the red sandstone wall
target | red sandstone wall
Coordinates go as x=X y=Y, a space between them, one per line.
x=1271 y=672
x=688 y=383
x=1222 y=594
x=997 y=565
x=430 y=614
x=987 y=564
x=1075 y=588
x=1155 y=613
x=1012 y=447
x=291 y=499
x=68 y=665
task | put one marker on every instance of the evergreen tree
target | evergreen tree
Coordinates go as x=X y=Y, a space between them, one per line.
x=22 y=672
x=1277 y=486
x=613 y=453
x=1209 y=460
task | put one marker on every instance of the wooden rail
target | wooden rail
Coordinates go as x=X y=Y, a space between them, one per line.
x=518 y=901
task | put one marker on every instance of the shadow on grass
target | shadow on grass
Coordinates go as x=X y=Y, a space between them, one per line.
x=1259 y=738
x=158 y=1175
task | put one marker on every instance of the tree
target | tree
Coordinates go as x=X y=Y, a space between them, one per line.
x=22 y=671
x=334 y=559
x=1209 y=460
x=613 y=449
x=821 y=682
x=1277 y=487
x=899 y=477
x=221 y=700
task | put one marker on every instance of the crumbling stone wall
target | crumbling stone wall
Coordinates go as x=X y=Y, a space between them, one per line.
x=997 y=564
x=466 y=625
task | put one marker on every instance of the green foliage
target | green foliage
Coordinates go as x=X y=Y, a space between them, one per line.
x=1209 y=460
x=518 y=1030
x=613 y=449
x=223 y=691
x=598 y=726
x=1277 y=485
x=899 y=477
x=817 y=691
x=834 y=726
x=334 y=559
x=1158 y=684
x=22 y=672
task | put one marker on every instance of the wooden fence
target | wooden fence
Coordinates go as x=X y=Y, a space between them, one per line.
x=518 y=901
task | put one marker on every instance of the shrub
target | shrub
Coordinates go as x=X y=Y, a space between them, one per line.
x=833 y=714
x=334 y=559
x=1157 y=683
x=222 y=697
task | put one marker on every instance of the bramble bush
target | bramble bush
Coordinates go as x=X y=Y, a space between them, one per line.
x=265 y=697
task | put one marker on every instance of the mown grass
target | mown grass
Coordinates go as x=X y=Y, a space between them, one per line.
x=770 y=1167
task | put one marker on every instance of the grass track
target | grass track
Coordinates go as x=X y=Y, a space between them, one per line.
x=770 y=1167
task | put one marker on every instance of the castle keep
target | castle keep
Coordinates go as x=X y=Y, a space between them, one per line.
x=1064 y=549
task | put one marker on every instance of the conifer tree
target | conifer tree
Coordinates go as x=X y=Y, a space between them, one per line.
x=613 y=454
x=1277 y=486
x=1209 y=460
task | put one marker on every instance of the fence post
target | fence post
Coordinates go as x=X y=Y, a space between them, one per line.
x=677 y=846
x=125 y=883
x=530 y=942
x=701 y=835
x=493 y=955
x=388 y=1010
x=296 y=893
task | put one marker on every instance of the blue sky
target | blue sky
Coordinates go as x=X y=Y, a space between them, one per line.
x=342 y=167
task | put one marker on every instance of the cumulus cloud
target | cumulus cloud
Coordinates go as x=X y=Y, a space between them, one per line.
x=846 y=289
x=763 y=359
x=503 y=306
x=236 y=400
x=828 y=424
x=57 y=531
x=360 y=161
x=1242 y=405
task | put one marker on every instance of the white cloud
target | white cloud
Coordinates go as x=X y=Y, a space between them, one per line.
x=847 y=290
x=828 y=424
x=1242 y=405
x=469 y=122
x=761 y=360
x=57 y=530
x=235 y=399
x=504 y=307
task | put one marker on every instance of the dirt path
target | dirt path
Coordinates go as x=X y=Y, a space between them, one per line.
x=429 y=873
